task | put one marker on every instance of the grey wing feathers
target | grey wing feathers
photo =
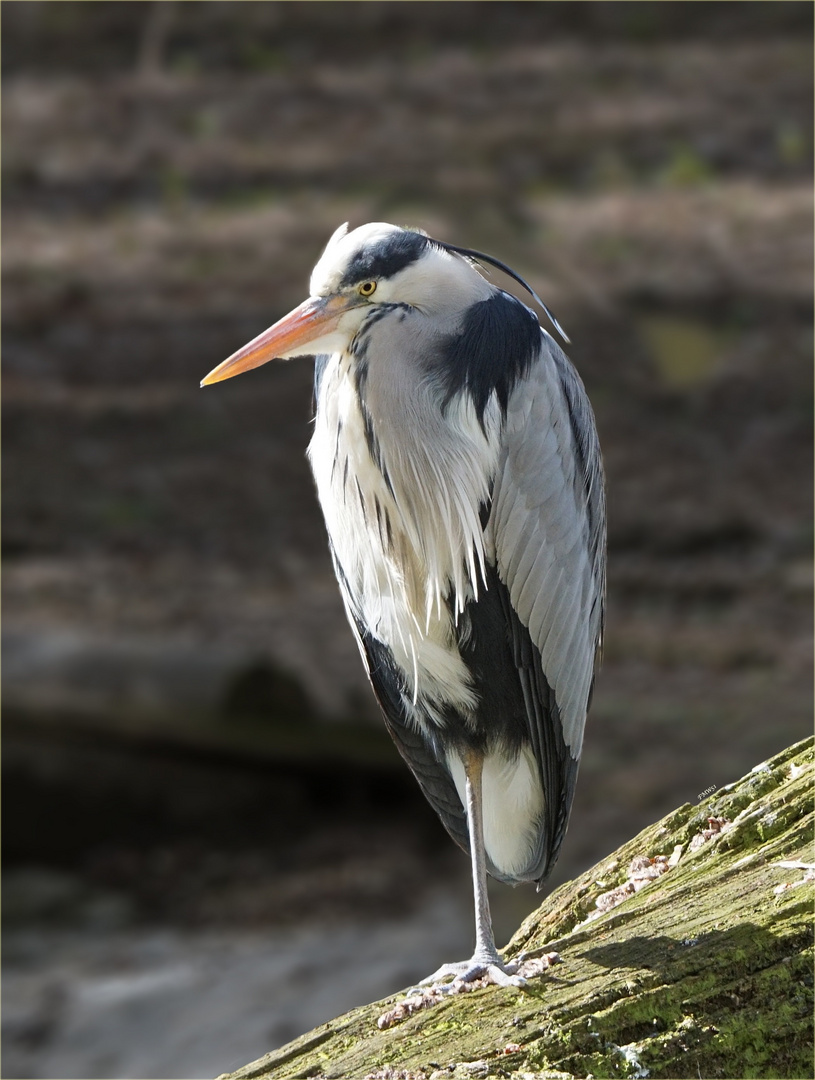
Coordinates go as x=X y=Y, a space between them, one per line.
x=548 y=527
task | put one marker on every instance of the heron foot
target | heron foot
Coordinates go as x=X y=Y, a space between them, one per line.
x=486 y=969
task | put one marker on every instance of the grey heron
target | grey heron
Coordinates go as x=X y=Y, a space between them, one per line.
x=458 y=468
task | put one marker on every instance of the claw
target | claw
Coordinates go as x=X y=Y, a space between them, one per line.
x=505 y=976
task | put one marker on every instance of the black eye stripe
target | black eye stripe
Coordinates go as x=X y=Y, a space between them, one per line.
x=384 y=258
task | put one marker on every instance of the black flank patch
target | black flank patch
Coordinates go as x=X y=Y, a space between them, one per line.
x=421 y=750
x=385 y=258
x=498 y=340
x=517 y=706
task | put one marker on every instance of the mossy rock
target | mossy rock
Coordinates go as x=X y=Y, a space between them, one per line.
x=705 y=971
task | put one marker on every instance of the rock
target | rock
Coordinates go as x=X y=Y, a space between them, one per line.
x=706 y=970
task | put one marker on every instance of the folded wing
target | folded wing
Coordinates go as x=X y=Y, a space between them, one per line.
x=547 y=525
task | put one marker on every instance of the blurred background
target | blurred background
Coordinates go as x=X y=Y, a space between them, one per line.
x=210 y=844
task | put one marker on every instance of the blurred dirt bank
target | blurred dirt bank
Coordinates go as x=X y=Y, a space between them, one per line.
x=178 y=675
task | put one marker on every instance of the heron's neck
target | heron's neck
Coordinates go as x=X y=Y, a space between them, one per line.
x=401 y=483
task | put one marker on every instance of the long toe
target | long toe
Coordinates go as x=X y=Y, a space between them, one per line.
x=451 y=975
x=454 y=971
x=505 y=975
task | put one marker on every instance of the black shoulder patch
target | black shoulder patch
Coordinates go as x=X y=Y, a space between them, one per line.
x=498 y=340
x=385 y=258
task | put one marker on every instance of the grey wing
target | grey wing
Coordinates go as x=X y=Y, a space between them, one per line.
x=548 y=527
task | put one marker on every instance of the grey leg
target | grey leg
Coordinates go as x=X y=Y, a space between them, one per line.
x=485 y=950
x=485 y=960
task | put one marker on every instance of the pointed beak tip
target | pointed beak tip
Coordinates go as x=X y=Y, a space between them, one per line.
x=219 y=373
x=306 y=323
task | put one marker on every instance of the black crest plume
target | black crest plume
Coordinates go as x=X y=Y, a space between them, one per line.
x=480 y=257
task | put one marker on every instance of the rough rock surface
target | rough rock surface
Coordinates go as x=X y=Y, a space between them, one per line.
x=705 y=969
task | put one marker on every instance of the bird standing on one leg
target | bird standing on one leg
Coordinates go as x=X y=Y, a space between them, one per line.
x=458 y=468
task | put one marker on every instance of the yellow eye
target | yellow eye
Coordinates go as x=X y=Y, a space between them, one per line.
x=367 y=288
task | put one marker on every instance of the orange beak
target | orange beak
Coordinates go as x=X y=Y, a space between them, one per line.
x=315 y=318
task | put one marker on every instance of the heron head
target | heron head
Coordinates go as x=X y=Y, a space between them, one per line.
x=373 y=266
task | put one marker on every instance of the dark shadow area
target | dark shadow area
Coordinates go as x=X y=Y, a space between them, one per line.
x=672 y=961
x=261 y=691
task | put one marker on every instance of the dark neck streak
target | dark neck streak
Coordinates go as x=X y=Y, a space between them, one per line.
x=359 y=349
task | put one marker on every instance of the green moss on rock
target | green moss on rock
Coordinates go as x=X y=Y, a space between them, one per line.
x=705 y=971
